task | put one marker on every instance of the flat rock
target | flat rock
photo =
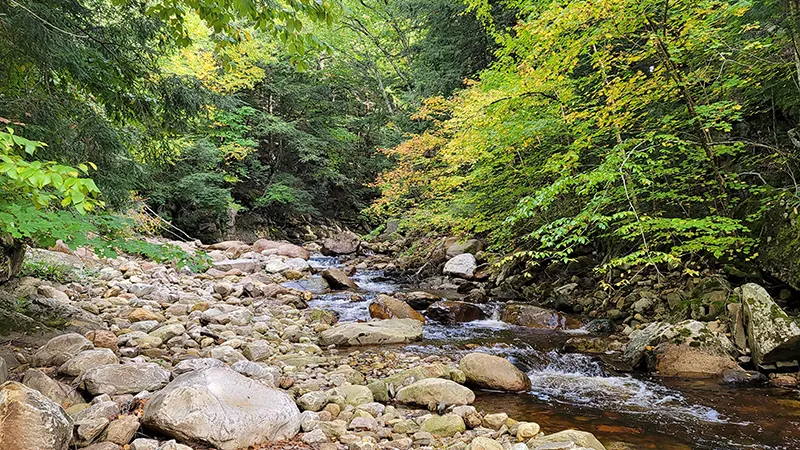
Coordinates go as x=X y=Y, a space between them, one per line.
x=580 y=438
x=392 y=331
x=434 y=391
x=114 y=379
x=222 y=408
x=86 y=360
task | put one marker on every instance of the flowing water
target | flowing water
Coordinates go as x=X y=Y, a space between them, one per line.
x=571 y=390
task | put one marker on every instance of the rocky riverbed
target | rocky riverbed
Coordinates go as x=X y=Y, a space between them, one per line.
x=279 y=347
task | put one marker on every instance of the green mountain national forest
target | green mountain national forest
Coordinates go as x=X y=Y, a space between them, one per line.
x=399 y=224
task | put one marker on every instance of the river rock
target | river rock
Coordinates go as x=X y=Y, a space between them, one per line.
x=313 y=401
x=535 y=317
x=579 y=438
x=222 y=408
x=60 y=349
x=444 y=426
x=86 y=360
x=193 y=364
x=472 y=246
x=115 y=379
x=56 y=391
x=434 y=391
x=484 y=443
x=385 y=307
x=31 y=421
x=392 y=331
x=420 y=301
x=454 y=312
x=771 y=334
x=493 y=372
x=337 y=279
x=246 y=265
x=461 y=266
x=708 y=348
x=121 y=430
x=684 y=361
x=343 y=243
x=281 y=248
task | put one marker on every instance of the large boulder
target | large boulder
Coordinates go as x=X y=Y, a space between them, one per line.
x=446 y=311
x=31 y=421
x=493 y=372
x=222 y=408
x=392 y=331
x=771 y=334
x=337 y=279
x=12 y=253
x=535 y=317
x=281 y=248
x=461 y=266
x=343 y=243
x=115 y=379
x=579 y=438
x=385 y=307
x=433 y=391
x=778 y=242
x=60 y=349
x=688 y=349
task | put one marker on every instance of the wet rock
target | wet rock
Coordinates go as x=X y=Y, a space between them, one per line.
x=114 y=379
x=281 y=248
x=580 y=438
x=771 y=334
x=433 y=391
x=740 y=377
x=337 y=279
x=60 y=349
x=472 y=246
x=443 y=426
x=461 y=266
x=454 y=312
x=86 y=360
x=420 y=301
x=385 y=307
x=343 y=243
x=222 y=408
x=535 y=317
x=783 y=380
x=29 y=420
x=492 y=372
x=393 y=331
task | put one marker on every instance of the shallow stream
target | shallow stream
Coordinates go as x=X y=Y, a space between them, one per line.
x=572 y=390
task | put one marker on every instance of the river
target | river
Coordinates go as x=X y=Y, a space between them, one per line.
x=572 y=390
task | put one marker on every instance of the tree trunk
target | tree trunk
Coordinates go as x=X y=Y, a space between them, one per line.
x=12 y=252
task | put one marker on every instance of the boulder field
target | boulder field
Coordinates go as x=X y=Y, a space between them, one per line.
x=166 y=359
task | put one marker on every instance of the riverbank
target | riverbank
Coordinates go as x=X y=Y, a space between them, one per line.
x=271 y=318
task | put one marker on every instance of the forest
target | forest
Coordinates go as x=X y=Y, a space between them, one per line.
x=656 y=133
